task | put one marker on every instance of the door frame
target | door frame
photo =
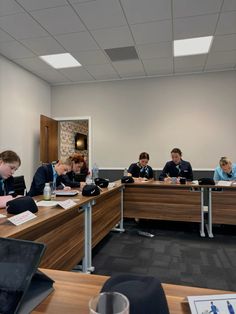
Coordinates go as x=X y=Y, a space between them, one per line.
x=59 y=119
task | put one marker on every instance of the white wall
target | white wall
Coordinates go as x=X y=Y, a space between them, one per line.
x=196 y=113
x=23 y=97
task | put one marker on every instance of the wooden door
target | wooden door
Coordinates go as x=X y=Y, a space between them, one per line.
x=48 y=139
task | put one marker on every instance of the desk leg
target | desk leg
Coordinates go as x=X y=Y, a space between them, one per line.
x=121 y=224
x=87 y=260
x=202 y=233
x=209 y=225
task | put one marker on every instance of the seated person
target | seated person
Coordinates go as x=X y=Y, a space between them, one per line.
x=9 y=163
x=141 y=169
x=177 y=167
x=226 y=171
x=84 y=169
x=70 y=178
x=50 y=173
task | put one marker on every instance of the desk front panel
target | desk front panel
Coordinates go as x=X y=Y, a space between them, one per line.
x=61 y=230
x=106 y=213
x=224 y=206
x=162 y=202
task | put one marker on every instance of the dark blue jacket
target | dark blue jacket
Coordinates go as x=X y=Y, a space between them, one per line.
x=143 y=172
x=183 y=169
x=43 y=174
x=8 y=187
x=69 y=179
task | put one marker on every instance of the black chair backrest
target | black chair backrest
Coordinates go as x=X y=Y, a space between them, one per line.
x=19 y=185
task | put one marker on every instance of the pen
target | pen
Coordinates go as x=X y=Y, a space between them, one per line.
x=63 y=185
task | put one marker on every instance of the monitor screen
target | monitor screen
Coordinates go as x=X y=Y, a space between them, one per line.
x=80 y=141
x=19 y=260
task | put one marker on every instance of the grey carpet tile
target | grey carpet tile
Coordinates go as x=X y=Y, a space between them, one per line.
x=177 y=254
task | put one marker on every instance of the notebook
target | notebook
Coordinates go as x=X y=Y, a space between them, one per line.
x=66 y=193
x=21 y=286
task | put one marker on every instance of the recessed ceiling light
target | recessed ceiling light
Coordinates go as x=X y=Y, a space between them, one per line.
x=61 y=60
x=192 y=46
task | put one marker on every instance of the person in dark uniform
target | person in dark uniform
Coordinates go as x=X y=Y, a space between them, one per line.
x=73 y=178
x=9 y=163
x=177 y=167
x=141 y=169
x=50 y=173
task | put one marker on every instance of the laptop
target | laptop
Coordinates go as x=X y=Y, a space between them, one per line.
x=22 y=288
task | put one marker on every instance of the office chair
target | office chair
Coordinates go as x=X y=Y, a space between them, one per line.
x=19 y=185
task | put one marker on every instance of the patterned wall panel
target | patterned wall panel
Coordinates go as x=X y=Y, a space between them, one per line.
x=67 y=131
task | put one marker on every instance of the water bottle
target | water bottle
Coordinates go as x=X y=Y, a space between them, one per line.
x=95 y=171
x=125 y=172
x=47 y=192
x=88 y=179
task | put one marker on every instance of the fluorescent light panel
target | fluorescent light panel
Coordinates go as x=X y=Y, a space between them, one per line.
x=192 y=46
x=61 y=60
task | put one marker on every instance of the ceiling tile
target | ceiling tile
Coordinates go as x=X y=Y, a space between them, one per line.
x=139 y=11
x=59 y=20
x=158 y=66
x=196 y=26
x=220 y=67
x=227 y=23
x=21 y=26
x=159 y=50
x=91 y=57
x=102 y=71
x=80 y=1
x=187 y=62
x=31 y=5
x=43 y=45
x=9 y=7
x=33 y=64
x=77 y=74
x=224 y=42
x=113 y=37
x=229 y=5
x=52 y=76
x=188 y=70
x=184 y=8
x=5 y=37
x=129 y=68
x=222 y=58
x=77 y=41
x=101 y=14
x=13 y=49
x=154 y=32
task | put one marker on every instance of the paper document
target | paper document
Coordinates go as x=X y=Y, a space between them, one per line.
x=224 y=183
x=206 y=304
x=64 y=204
x=47 y=203
x=67 y=204
x=66 y=193
x=22 y=218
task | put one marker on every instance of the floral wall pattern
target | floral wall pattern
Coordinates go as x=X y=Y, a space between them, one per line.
x=67 y=131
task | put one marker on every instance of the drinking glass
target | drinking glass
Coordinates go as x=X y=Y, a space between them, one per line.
x=109 y=303
x=53 y=190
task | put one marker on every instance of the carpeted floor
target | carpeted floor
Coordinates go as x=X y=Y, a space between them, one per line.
x=177 y=254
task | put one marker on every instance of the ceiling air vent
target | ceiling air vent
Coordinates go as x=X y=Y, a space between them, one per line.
x=122 y=54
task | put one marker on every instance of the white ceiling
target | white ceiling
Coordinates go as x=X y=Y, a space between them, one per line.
x=29 y=28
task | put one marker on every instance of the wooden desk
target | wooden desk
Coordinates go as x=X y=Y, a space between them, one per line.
x=164 y=201
x=67 y=233
x=61 y=230
x=73 y=291
x=222 y=206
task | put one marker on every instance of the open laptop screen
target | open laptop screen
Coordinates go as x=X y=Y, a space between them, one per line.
x=19 y=260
